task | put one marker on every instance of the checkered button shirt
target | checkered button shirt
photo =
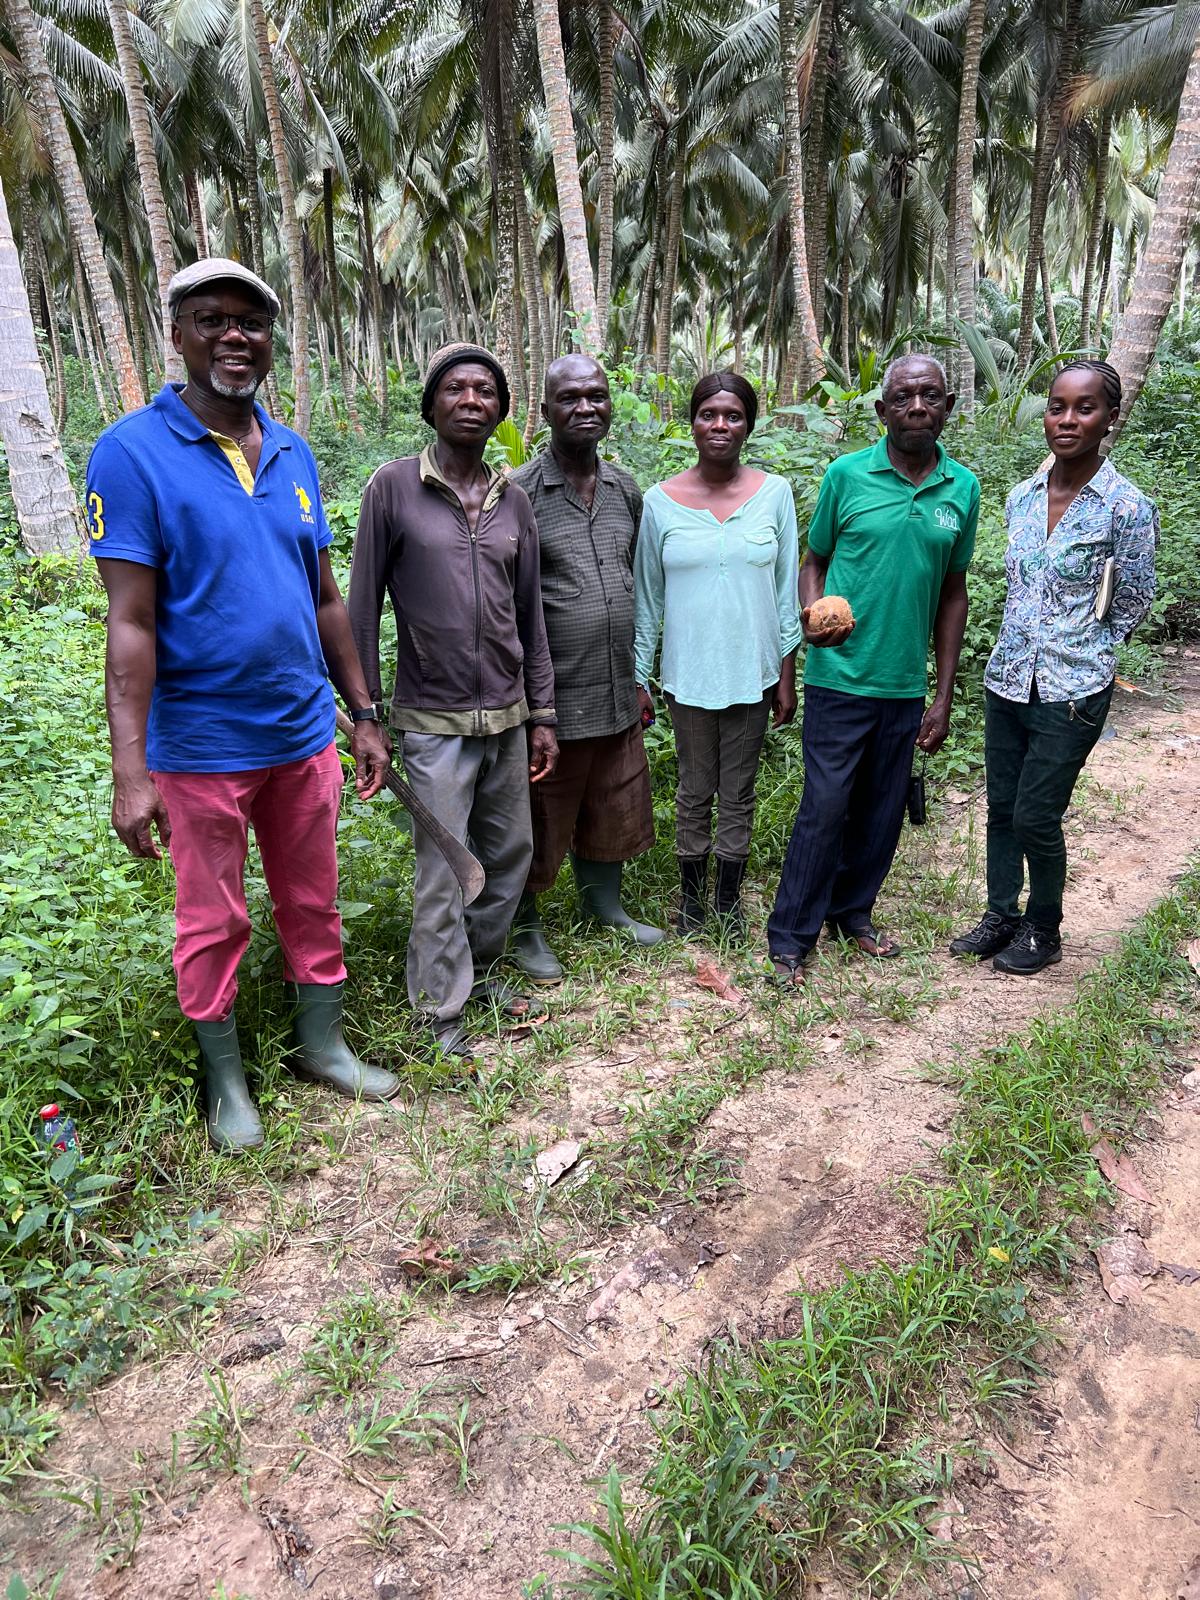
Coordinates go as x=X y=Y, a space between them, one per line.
x=587 y=593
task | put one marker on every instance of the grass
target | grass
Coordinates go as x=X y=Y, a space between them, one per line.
x=844 y=1436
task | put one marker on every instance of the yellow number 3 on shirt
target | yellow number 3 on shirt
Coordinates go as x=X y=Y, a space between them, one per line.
x=96 y=512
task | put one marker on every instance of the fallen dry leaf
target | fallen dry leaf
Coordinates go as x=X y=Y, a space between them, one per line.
x=1124 y=1263
x=428 y=1260
x=957 y=797
x=1188 y=1275
x=710 y=976
x=1120 y=1172
x=1193 y=954
x=659 y=1266
x=550 y=1164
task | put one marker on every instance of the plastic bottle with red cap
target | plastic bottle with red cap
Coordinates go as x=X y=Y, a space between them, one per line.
x=56 y=1131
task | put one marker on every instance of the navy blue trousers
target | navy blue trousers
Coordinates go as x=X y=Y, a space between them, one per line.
x=858 y=755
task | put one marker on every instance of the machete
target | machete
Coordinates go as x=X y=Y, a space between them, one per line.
x=455 y=854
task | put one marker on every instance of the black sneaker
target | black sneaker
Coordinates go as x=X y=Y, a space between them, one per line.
x=1031 y=950
x=991 y=934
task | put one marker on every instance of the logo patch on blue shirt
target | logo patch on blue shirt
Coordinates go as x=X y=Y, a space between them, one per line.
x=305 y=504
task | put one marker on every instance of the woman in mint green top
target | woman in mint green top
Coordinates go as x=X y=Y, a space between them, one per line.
x=716 y=571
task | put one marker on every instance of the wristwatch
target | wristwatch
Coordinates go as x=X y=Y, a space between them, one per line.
x=365 y=714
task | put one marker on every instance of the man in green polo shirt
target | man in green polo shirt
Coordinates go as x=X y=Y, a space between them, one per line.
x=892 y=533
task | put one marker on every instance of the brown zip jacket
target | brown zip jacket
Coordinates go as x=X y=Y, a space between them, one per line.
x=471 y=651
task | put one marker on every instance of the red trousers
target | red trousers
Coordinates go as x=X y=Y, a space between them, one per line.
x=293 y=810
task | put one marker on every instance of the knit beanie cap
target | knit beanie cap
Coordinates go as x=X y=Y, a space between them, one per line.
x=453 y=355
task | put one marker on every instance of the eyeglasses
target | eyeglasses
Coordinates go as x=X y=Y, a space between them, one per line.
x=256 y=325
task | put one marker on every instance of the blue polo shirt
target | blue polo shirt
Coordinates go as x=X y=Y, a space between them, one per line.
x=241 y=680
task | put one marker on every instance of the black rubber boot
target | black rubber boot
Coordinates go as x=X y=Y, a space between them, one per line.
x=322 y=1054
x=991 y=934
x=727 y=894
x=233 y=1123
x=693 y=893
x=600 y=895
x=529 y=948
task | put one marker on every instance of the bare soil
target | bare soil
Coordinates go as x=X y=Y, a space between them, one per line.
x=1098 y=1499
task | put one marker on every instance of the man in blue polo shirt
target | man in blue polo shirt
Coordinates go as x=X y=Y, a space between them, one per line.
x=224 y=627
x=893 y=533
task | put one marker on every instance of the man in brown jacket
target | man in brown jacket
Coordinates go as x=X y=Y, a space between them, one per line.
x=456 y=548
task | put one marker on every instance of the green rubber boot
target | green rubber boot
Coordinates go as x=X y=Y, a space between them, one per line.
x=233 y=1123
x=529 y=948
x=323 y=1056
x=600 y=894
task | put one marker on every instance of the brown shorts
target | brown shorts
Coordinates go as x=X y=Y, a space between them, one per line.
x=596 y=804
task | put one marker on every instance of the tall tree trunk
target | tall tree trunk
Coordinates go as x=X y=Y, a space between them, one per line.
x=1050 y=122
x=196 y=213
x=289 y=223
x=41 y=488
x=1048 y=304
x=531 y=286
x=35 y=249
x=335 y=300
x=133 y=291
x=28 y=38
x=370 y=269
x=1106 y=255
x=237 y=210
x=768 y=322
x=571 y=215
x=844 y=305
x=1103 y=140
x=1175 y=210
x=323 y=355
x=162 y=247
x=816 y=163
x=605 y=32
x=739 y=324
x=670 y=261
x=258 y=248
x=650 y=276
x=87 y=348
x=962 y=299
x=803 y=363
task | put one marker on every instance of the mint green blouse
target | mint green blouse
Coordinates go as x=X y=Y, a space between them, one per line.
x=723 y=594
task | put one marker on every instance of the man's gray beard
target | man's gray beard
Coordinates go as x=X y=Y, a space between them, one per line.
x=242 y=391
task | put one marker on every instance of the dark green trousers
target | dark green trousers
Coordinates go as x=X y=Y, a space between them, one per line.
x=1035 y=751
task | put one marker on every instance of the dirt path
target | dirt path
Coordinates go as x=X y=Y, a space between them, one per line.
x=549 y=1388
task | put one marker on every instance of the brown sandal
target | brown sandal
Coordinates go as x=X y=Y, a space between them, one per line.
x=871 y=942
x=787 y=972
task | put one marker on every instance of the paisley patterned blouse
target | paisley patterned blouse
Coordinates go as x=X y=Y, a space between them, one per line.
x=1049 y=631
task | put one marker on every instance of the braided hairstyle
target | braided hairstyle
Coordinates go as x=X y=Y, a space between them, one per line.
x=1109 y=377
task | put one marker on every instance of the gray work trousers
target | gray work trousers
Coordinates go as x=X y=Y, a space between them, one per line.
x=479 y=788
x=718 y=754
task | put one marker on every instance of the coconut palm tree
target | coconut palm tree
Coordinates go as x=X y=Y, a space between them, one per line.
x=566 y=173
x=41 y=488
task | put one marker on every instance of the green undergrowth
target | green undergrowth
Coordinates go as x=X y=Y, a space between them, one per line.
x=843 y=1437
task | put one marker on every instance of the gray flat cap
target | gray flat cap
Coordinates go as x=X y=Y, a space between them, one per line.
x=217 y=269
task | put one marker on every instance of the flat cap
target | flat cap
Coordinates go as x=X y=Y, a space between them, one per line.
x=217 y=269
x=453 y=355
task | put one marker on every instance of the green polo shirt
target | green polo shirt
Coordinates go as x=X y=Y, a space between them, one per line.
x=889 y=544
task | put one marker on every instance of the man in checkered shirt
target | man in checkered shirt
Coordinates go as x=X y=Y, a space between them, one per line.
x=597 y=803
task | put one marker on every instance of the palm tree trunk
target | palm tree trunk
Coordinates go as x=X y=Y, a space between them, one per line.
x=335 y=300
x=41 y=488
x=1106 y=255
x=816 y=162
x=804 y=354
x=844 y=314
x=768 y=322
x=196 y=213
x=1175 y=210
x=83 y=338
x=133 y=291
x=739 y=324
x=370 y=269
x=162 y=247
x=670 y=262
x=1103 y=140
x=604 y=144
x=36 y=251
x=572 y=217
x=1048 y=304
x=257 y=246
x=1050 y=122
x=27 y=36
x=962 y=298
x=531 y=286
x=289 y=223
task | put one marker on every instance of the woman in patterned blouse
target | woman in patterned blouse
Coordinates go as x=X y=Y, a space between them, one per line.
x=1080 y=566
